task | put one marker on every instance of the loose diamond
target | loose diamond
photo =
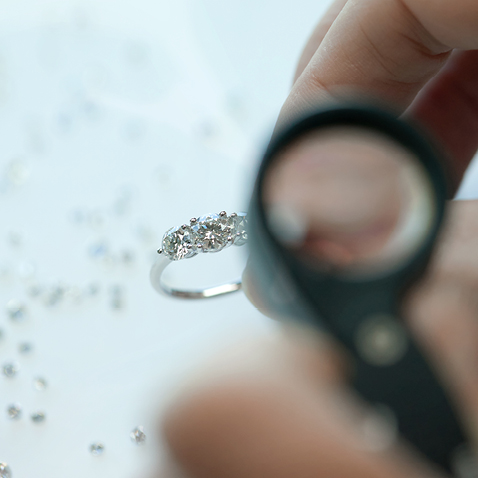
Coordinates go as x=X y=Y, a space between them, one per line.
x=178 y=243
x=93 y=289
x=14 y=411
x=54 y=296
x=211 y=232
x=10 y=369
x=5 y=471
x=25 y=347
x=38 y=417
x=117 y=297
x=97 y=449
x=138 y=436
x=240 y=229
x=40 y=383
x=16 y=310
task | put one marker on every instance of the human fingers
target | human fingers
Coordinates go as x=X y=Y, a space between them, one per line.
x=442 y=315
x=282 y=416
x=318 y=35
x=384 y=49
x=447 y=108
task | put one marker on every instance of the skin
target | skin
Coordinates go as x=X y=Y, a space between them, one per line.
x=282 y=408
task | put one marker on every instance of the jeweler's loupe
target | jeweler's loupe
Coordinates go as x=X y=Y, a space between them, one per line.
x=343 y=219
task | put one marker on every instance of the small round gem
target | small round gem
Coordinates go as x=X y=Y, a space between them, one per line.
x=10 y=369
x=138 y=436
x=5 y=471
x=16 y=310
x=97 y=449
x=14 y=411
x=38 y=417
x=39 y=383
x=178 y=243
x=25 y=347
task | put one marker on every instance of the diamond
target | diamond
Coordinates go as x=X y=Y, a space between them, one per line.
x=240 y=228
x=138 y=436
x=117 y=297
x=5 y=471
x=39 y=383
x=178 y=243
x=212 y=232
x=14 y=411
x=10 y=369
x=97 y=449
x=25 y=347
x=16 y=310
x=38 y=417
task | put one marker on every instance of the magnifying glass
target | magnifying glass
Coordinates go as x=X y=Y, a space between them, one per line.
x=343 y=219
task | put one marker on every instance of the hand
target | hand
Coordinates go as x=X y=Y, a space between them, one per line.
x=282 y=409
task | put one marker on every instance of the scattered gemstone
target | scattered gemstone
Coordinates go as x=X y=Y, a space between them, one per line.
x=34 y=290
x=98 y=250
x=15 y=238
x=10 y=369
x=117 y=297
x=96 y=220
x=74 y=294
x=138 y=436
x=178 y=243
x=145 y=234
x=16 y=310
x=17 y=172
x=78 y=216
x=25 y=347
x=127 y=257
x=5 y=471
x=97 y=449
x=14 y=411
x=93 y=289
x=211 y=232
x=38 y=417
x=39 y=383
x=54 y=296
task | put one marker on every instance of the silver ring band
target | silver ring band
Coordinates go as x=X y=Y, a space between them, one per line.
x=206 y=234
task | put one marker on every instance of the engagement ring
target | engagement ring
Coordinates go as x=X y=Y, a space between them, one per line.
x=205 y=234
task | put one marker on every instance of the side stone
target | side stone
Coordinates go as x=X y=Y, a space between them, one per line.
x=179 y=243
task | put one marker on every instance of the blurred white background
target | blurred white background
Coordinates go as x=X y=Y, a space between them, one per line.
x=119 y=120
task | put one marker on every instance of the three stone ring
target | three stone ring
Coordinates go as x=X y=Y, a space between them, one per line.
x=205 y=234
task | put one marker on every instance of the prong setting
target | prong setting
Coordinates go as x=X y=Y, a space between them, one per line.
x=208 y=233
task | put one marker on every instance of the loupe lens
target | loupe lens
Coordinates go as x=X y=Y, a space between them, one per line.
x=348 y=200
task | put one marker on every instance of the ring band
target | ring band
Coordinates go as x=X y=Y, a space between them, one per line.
x=205 y=234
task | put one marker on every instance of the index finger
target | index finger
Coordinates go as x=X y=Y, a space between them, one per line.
x=384 y=49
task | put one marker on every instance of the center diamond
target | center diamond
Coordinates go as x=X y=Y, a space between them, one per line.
x=211 y=233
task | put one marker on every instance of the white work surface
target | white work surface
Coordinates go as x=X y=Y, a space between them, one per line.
x=119 y=120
